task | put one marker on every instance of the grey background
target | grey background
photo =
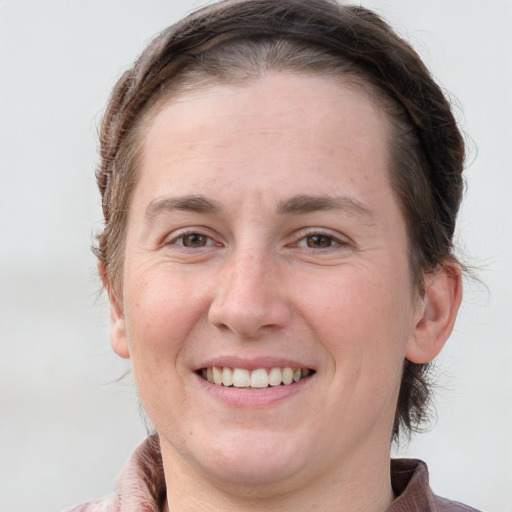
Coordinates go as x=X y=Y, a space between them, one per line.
x=66 y=426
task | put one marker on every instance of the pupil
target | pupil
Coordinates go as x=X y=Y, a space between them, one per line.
x=194 y=240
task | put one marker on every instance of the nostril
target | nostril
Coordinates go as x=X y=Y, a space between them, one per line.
x=250 y=321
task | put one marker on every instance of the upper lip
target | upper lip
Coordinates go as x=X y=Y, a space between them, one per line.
x=252 y=363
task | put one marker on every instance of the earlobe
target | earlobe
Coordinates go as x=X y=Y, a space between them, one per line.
x=118 y=339
x=437 y=312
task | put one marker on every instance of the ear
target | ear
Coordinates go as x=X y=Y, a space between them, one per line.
x=437 y=312
x=118 y=339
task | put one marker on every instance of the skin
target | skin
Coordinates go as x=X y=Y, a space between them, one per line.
x=247 y=284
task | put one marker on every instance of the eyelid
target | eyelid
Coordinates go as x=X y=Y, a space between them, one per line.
x=339 y=239
x=178 y=234
x=209 y=241
x=300 y=235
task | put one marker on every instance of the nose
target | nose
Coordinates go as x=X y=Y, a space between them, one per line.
x=250 y=299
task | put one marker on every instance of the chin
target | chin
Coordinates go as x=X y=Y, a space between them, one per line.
x=254 y=458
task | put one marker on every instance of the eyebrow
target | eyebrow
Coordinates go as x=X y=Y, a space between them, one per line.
x=305 y=204
x=297 y=205
x=192 y=203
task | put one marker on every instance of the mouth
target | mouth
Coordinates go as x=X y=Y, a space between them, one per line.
x=259 y=378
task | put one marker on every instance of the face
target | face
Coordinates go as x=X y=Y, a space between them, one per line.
x=267 y=304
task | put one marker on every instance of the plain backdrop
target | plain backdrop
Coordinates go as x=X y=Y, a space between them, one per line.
x=66 y=425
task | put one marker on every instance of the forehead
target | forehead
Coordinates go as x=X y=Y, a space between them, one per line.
x=305 y=119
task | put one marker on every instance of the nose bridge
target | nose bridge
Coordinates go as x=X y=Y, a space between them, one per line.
x=250 y=297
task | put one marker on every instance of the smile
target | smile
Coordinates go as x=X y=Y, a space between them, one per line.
x=258 y=379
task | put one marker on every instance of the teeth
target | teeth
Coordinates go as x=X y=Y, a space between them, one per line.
x=258 y=379
x=275 y=377
x=287 y=376
x=241 y=378
x=217 y=375
x=227 y=376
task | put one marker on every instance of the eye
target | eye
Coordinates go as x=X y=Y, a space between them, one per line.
x=194 y=240
x=318 y=241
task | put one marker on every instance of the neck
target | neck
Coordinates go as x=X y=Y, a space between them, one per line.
x=337 y=489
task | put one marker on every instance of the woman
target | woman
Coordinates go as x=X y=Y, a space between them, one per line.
x=280 y=183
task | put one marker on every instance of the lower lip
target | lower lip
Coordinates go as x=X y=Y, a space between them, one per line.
x=245 y=397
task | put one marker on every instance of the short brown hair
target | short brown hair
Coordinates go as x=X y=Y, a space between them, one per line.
x=232 y=41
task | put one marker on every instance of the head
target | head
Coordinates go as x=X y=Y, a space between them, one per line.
x=236 y=43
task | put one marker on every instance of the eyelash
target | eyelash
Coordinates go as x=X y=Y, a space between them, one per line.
x=209 y=240
x=334 y=241
x=301 y=242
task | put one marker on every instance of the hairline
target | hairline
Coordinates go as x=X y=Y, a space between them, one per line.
x=179 y=87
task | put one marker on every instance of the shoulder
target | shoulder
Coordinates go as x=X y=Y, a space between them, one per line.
x=444 y=505
x=139 y=488
x=410 y=481
x=105 y=504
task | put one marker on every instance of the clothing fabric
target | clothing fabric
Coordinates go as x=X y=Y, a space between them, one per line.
x=141 y=486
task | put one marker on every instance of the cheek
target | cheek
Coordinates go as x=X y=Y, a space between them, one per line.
x=361 y=316
x=166 y=316
x=155 y=331
x=156 y=317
